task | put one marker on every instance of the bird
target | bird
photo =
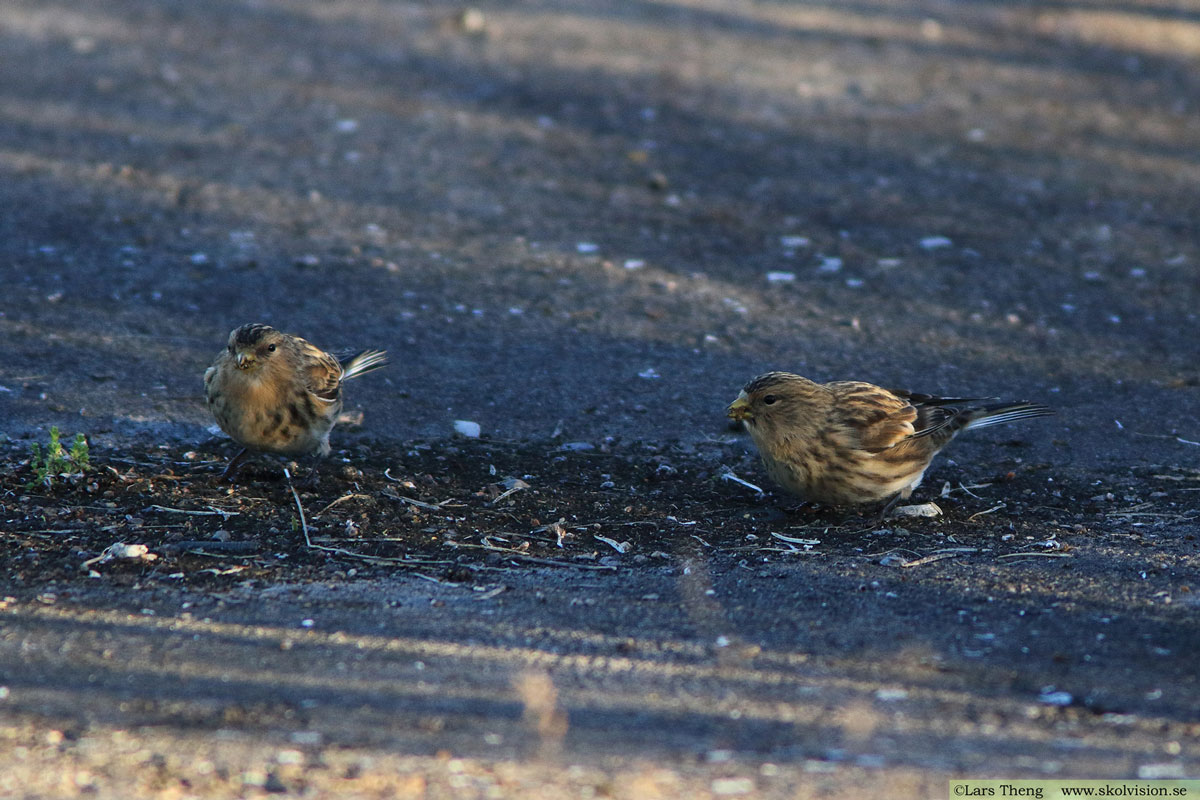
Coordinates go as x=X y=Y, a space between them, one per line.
x=274 y=392
x=848 y=443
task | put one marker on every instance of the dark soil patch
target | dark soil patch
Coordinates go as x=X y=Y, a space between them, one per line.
x=451 y=510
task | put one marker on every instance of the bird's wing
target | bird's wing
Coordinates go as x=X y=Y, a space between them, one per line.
x=935 y=413
x=322 y=371
x=872 y=417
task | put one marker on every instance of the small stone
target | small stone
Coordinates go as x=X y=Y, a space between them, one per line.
x=466 y=428
x=1055 y=698
x=731 y=786
x=471 y=20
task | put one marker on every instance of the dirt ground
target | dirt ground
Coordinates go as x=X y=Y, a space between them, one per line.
x=584 y=225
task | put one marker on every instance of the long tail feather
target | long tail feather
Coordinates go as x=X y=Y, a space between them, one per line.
x=364 y=362
x=1008 y=412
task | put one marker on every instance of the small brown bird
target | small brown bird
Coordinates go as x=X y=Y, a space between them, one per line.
x=277 y=393
x=848 y=442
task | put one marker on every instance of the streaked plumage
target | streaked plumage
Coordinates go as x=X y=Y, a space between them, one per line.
x=277 y=393
x=849 y=442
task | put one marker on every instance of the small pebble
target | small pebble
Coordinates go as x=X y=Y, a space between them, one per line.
x=732 y=786
x=1053 y=698
x=466 y=428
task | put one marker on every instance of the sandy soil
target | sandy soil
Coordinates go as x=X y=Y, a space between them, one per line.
x=584 y=225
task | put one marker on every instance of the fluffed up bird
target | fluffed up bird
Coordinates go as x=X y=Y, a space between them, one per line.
x=849 y=442
x=274 y=392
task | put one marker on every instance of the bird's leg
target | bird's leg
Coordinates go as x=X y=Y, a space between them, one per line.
x=804 y=507
x=311 y=479
x=231 y=467
x=887 y=509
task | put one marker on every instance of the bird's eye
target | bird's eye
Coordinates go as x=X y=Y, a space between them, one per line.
x=769 y=400
x=271 y=348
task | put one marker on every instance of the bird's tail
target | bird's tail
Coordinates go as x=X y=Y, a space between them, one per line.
x=364 y=362
x=1001 y=413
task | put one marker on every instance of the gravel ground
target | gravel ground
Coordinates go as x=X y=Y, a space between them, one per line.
x=584 y=225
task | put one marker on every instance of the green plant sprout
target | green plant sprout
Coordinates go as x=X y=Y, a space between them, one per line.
x=58 y=462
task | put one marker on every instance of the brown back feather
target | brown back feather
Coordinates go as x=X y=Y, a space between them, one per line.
x=323 y=371
x=876 y=418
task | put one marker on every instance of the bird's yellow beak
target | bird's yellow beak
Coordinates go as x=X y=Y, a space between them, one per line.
x=740 y=409
x=244 y=360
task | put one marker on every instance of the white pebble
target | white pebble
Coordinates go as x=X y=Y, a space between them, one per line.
x=830 y=264
x=346 y=125
x=649 y=373
x=730 y=786
x=1053 y=698
x=289 y=757
x=935 y=242
x=467 y=428
x=793 y=242
x=917 y=510
x=781 y=277
x=586 y=247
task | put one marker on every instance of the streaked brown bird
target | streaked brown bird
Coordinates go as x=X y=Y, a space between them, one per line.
x=276 y=393
x=849 y=442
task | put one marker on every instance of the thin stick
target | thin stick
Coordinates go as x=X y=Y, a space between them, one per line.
x=929 y=559
x=303 y=522
x=339 y=500
x=216 y=512
x=988 y=511
x=1041 y=555
x=420 y=503
x=794 y=540
x=729 y=476
x=510 y=553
